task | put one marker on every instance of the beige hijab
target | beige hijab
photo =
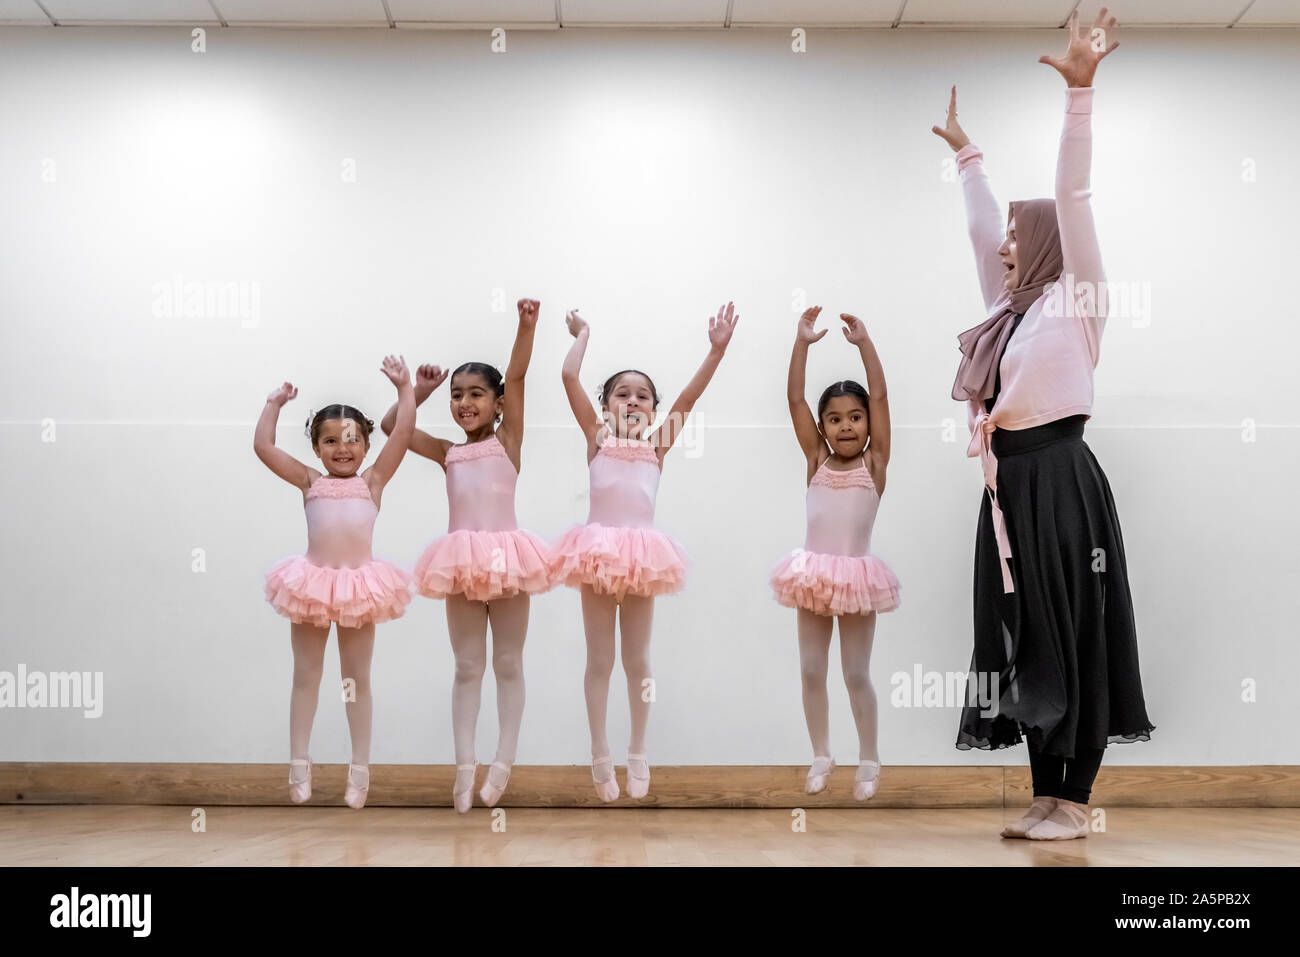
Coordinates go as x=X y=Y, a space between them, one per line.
x=1038 y=251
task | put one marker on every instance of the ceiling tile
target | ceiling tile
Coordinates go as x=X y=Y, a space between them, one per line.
x=359 y=12
x=1271 y=11
x=22 y=11
x=794 y=13
x=711 y=12
x=617 y=12
x=1044 y=13
x=143 y=11
x=472 y=11
x=1203 y=12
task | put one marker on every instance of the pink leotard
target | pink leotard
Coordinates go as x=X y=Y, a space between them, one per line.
x=835 y=572
x=484 y=554
x=338 y=579
x=619 y=551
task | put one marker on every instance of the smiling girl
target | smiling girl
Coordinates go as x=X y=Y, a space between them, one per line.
x=337 y=582
x=834 y=577
x=486 y=567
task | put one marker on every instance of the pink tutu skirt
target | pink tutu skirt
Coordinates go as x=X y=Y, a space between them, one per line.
x=619 y=561
x=835 y=584
x=484 y=565
x=307 y=593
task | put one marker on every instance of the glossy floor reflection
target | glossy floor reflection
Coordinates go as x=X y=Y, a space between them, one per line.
x=152 y=835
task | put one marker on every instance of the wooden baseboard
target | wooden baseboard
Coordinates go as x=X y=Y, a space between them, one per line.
x=723 y=786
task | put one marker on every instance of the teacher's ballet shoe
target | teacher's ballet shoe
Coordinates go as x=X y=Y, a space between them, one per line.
x=1038 y=811
x=1065 y=823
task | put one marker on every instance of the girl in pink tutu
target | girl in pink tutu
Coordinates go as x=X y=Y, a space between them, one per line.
x=486 y=567
x=337 y=581
x=835 y=575
x=618 y=559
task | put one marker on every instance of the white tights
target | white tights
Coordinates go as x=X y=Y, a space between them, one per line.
x=467 y=622
x=856 y=634
x=635 y=617
x=356 y=647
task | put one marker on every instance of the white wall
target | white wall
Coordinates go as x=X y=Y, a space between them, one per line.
x=646 y=177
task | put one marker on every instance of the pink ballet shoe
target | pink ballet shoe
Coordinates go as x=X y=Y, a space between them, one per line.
x=300 y=783
x=864 y=789
x=638 y=776
x=491 y=792
x=606 y=789
x=1066 y=822
x=358 y=785
x=1037 y=812
x=819 y=773
x=463 y=798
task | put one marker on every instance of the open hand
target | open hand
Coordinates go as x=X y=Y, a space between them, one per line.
x=722 y=325
x=855 y=330
x=1083 y=53
x=807 y=330
x=283 y=394
x=952 y=133
x=395 y=368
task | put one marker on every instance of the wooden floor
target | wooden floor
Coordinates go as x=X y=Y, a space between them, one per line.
x=80 y=835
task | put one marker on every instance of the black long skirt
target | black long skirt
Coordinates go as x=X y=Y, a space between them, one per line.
x=1064 y=670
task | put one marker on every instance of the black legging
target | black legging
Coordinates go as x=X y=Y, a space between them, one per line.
x=1054 y=776
x=1069 y=779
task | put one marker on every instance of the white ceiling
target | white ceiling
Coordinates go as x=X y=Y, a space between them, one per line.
x=553 y=14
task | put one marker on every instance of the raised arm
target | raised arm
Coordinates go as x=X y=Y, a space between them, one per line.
x=720 y=328
x=805 y=424
x=983 y=215
x=1080 y=252
x=427 y=379
x=511 y=430
x=399 y=440
x=583 y=411
x=855 y=330
x=276 y=459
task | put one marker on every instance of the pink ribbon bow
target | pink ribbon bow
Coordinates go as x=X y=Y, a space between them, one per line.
x=981 y=444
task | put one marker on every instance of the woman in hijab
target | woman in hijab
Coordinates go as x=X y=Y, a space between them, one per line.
x=1055 y=640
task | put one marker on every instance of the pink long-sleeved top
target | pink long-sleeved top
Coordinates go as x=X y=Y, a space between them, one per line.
x=1047 y=367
